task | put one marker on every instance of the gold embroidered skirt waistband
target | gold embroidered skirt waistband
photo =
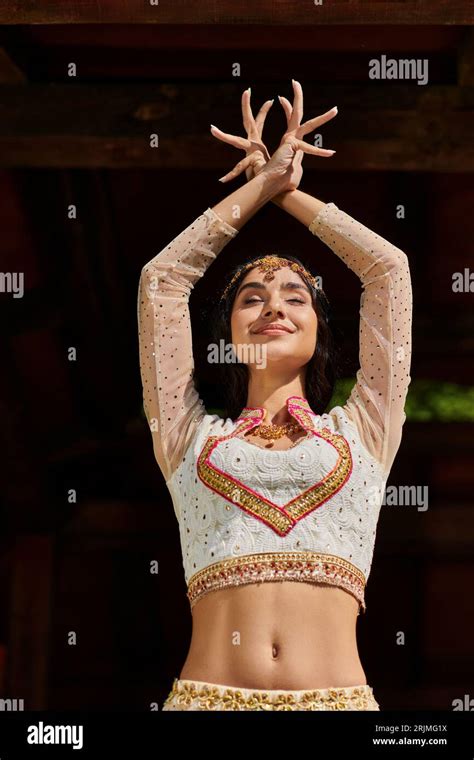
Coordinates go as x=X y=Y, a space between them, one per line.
x=308 y=567
x=200 y=695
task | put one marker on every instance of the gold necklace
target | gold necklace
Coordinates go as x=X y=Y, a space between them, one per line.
x=272 y=432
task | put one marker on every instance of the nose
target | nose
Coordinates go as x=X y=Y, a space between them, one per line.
x=275 y=304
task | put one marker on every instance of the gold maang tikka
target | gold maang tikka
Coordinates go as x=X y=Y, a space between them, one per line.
x=269 y=264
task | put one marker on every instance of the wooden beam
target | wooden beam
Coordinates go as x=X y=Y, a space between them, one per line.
x=52 y=40
x=318 y=54
x=273 y=12
x=267 y=69
x=384 y=127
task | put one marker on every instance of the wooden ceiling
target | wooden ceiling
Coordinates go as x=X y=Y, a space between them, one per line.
x=274 y=12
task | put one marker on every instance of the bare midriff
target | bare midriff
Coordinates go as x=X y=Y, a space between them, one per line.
x=275 y=635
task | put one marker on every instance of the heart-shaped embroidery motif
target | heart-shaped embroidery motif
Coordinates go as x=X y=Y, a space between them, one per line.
x=282 y=519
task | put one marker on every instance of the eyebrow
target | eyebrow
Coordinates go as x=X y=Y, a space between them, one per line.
x=284 y=286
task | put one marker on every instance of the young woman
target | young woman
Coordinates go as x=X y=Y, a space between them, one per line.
x=277 y=506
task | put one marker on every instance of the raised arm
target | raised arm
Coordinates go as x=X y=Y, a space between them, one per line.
x=377 y=400
x=171 y=402
x=376 y=403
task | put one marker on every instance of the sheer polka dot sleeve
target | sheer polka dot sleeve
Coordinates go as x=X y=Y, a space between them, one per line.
x=170 y=400
x=376 y=403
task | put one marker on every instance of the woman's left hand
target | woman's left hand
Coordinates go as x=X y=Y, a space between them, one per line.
x=256 y=151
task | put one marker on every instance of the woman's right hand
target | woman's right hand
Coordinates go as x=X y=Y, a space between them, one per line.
x=284 y=169
x=294 y=132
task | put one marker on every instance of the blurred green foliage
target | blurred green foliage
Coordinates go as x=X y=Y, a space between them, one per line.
x=427 y=400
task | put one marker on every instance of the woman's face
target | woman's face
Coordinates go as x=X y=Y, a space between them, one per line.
x=285 y=300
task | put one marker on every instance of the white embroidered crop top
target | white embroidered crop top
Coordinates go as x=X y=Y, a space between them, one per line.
x=251 y=515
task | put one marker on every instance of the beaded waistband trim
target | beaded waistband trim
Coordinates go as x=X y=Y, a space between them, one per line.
x=308 y=567
x=199 y=695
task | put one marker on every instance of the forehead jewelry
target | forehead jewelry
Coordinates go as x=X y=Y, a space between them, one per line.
x=268 y=265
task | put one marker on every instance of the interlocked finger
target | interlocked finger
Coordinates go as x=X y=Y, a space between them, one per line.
x=297 y=111
x=253 y=126
x=307 y=126
x=311 y=124
x=247 y=116
x=255 y=159
x=287 y=107
x=262 y=115
x=235 y=140
x=307 y=148
x=298 y=157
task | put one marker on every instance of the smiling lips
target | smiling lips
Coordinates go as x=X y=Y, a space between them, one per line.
x=274 y=328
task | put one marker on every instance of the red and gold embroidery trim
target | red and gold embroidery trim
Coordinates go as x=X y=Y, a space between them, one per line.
x=307 y=567
x=282 y=519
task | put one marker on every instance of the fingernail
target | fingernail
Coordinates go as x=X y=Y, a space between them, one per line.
x=221 y=179
x=335 y=109
x=250 y=89
x=332 y=152
x=213 y=125
x=279 y=97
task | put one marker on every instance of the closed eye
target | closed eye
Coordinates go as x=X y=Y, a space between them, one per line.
x=257 y=300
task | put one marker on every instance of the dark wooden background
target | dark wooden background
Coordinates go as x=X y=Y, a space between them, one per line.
x=84 y=567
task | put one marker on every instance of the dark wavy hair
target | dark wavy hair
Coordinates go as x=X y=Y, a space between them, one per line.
x=322 y=370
